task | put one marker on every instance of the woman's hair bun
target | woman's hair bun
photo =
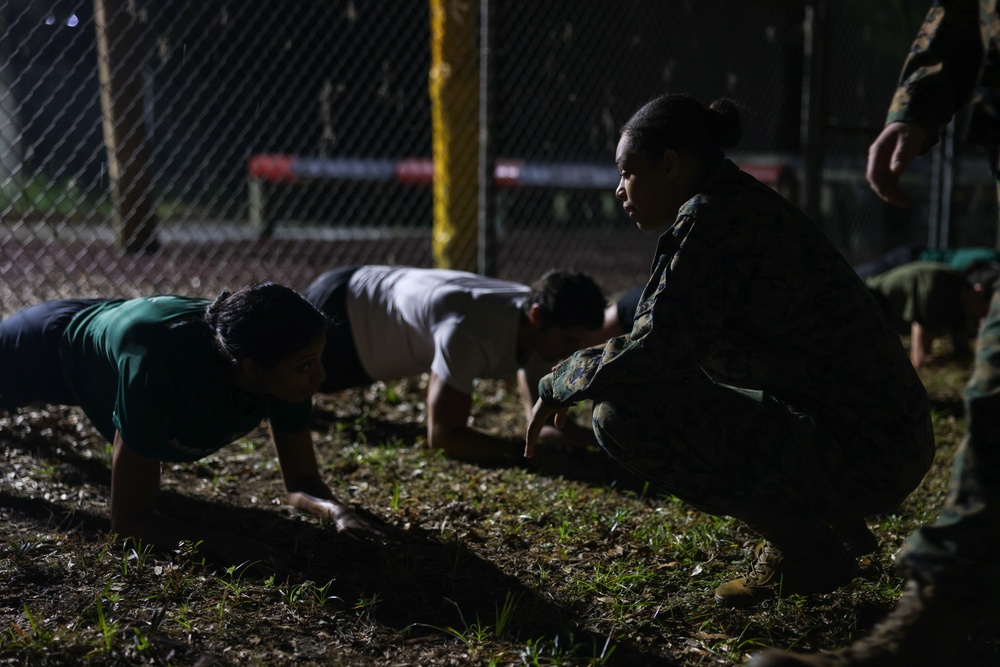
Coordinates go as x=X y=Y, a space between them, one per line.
x=215 y=308
x=728 y=126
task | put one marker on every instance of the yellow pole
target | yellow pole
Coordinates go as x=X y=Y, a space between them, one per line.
x=454 y=92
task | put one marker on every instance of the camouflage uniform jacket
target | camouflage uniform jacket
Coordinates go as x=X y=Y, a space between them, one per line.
x=746 y=288
x=954 y=59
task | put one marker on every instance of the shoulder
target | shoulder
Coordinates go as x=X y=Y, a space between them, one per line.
x=164 y=307
x=123 y=318
x=917 y=277
x=160 y=328
x=728 y=191
x=163 y=313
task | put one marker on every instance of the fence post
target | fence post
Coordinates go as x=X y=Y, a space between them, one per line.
x=813 y=121
x=454 y=85
x=487 y=147
x=942 y=182
x=120 y=73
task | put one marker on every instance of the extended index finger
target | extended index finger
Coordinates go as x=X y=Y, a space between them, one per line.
x=539 y=414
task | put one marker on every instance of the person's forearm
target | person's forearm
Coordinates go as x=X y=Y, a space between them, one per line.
x=921 y=343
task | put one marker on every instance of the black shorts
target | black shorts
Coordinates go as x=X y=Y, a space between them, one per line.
x=340 y=356
x=30 y=370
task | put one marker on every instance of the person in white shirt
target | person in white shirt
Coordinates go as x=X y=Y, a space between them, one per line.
x=390 y=322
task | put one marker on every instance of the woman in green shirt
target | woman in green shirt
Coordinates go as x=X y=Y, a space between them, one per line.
x=170 y=378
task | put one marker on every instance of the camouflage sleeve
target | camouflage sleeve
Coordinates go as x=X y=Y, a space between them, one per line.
x=942 y=67
x=681 y=308
x=567 y=383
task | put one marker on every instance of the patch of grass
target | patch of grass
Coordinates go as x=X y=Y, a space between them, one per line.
x=556 y=651
x=308 y=592
x=498 y=566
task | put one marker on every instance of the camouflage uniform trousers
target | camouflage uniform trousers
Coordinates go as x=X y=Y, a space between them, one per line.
x=740 y=453
x=958 y=553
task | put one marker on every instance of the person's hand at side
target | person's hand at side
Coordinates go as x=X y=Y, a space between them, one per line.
x=568 y=433
x=307 y=491
x=539 y=416
x=346 y=520
x=921 y=344
x=889 y=156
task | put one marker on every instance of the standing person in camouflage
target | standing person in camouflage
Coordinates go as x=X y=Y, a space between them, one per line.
x=951 y=566
x=759 y=379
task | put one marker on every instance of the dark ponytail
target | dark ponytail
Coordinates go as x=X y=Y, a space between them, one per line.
x=682 y=123
x=728 y=126
x=215 y=310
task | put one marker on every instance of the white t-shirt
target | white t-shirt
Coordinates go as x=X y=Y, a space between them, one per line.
x=462 y=326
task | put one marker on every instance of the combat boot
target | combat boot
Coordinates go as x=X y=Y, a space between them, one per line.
x=774 y=573
x=920 y=632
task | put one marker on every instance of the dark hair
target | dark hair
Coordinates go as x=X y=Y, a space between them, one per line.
x=264 y=322
x=983 y=272
x=567 y=299
x=682 y=123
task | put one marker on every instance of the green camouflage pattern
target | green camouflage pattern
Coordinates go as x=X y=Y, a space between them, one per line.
x=958 y=552
x=758 y=363
x=948 y=67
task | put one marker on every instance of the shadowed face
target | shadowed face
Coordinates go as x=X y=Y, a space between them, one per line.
x=557 y=343
x=650 y=194
x=295 y=377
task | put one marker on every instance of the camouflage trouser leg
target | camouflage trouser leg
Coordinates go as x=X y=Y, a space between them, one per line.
x=958 y=553
x=692 y=442
x=723 y=450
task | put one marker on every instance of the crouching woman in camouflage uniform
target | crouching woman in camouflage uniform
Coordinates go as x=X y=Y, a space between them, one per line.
x=759 y=380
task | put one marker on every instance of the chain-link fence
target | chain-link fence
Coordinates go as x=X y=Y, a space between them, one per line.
x=276 y=139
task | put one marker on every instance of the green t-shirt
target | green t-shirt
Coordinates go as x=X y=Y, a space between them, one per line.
x=960 y=258
x=148 y=368
x=925 y=292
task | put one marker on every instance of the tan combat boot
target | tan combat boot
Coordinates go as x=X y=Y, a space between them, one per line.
x=775 y=574
x=919 y=632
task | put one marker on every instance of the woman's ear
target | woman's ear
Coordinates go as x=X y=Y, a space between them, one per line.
x=671 y=162
x=535 y=314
